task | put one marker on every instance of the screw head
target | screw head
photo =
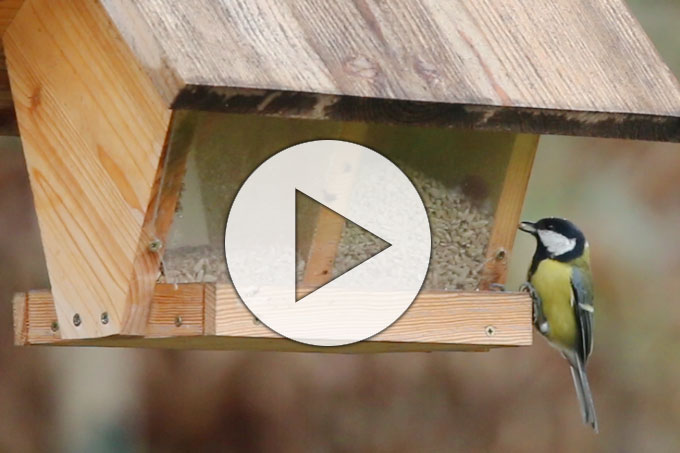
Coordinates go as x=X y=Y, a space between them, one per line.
x=178 y=321
x=490 y=331
x=104 y=317
x=155 y=245
x=54 y=326
x=500 y=255
x=76 y=320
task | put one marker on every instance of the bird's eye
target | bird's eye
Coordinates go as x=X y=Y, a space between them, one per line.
x=551 y=227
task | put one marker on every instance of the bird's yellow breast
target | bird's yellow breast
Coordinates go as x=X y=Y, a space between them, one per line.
x=552 y=281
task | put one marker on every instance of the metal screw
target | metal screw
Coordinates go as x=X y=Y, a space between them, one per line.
x=155 y=245
x=76 y=320
x=256 y=321
x=490 y=331
x=500 y=255
x=178 y=321
x=105 y=318
x=55 y=326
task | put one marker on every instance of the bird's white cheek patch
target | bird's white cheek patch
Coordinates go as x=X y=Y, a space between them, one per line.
x=556 y=243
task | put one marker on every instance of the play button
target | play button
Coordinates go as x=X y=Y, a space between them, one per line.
x=356 y=183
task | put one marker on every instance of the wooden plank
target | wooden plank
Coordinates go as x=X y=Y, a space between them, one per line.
x=330 y=225
x=176 y=311
x=582 y=68
x=324 y=247
x=434 y=317
x=159 y=216
x=93 y=129
x=210 y=309
x=20 y=322
x=508 y=210
x=435 y=321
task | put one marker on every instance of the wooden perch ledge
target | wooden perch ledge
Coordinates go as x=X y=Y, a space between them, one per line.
x=209 y=316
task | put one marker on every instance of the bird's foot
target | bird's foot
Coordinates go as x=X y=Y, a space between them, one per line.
x=539 y=318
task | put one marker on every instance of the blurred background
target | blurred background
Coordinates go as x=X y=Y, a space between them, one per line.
x=625 y=195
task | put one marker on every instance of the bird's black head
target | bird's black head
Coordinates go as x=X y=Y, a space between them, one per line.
x=557 y=238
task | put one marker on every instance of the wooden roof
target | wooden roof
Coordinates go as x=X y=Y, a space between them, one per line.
x=583 y=68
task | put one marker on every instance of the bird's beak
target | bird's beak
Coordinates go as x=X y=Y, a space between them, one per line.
x=527 y=227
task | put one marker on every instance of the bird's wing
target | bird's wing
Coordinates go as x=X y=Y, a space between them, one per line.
x=582 y=293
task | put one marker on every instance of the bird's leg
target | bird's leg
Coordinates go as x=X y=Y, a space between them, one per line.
x=540 y=321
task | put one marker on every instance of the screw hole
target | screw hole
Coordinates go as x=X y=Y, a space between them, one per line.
x=490 y=331
x=76 y=320
x=105 y=318
x=54 y=326
x=178 y=321
x=500 y=255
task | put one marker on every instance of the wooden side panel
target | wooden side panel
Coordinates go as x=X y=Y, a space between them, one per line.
x=435 y=321
x=509 y=209
x=93 y=128
x=144 y=43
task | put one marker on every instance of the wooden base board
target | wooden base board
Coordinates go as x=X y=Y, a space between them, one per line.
x=208 y=316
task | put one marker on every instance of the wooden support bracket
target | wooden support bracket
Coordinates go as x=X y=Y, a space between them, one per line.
x=508 y=210
x=93 y=128
x=207 y=316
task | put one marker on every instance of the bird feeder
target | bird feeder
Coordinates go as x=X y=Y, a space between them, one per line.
x=140 y=120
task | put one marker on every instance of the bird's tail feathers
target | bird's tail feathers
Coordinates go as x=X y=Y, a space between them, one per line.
x=585 y=397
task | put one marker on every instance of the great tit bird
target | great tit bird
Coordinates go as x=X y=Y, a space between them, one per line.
x=560 y=283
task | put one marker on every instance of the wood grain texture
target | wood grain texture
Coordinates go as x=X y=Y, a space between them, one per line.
x=8 y=9
x=435 y=321
x=434 y=317
x=93 y=128
x=176 y=311
x=20 y=324
x=323 y=249
x=584 y=68
x=159 y=216
x=183 y=303
x=330 y=225
x=508 y=210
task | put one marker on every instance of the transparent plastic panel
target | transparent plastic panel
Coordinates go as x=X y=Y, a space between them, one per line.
x=458 y=173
